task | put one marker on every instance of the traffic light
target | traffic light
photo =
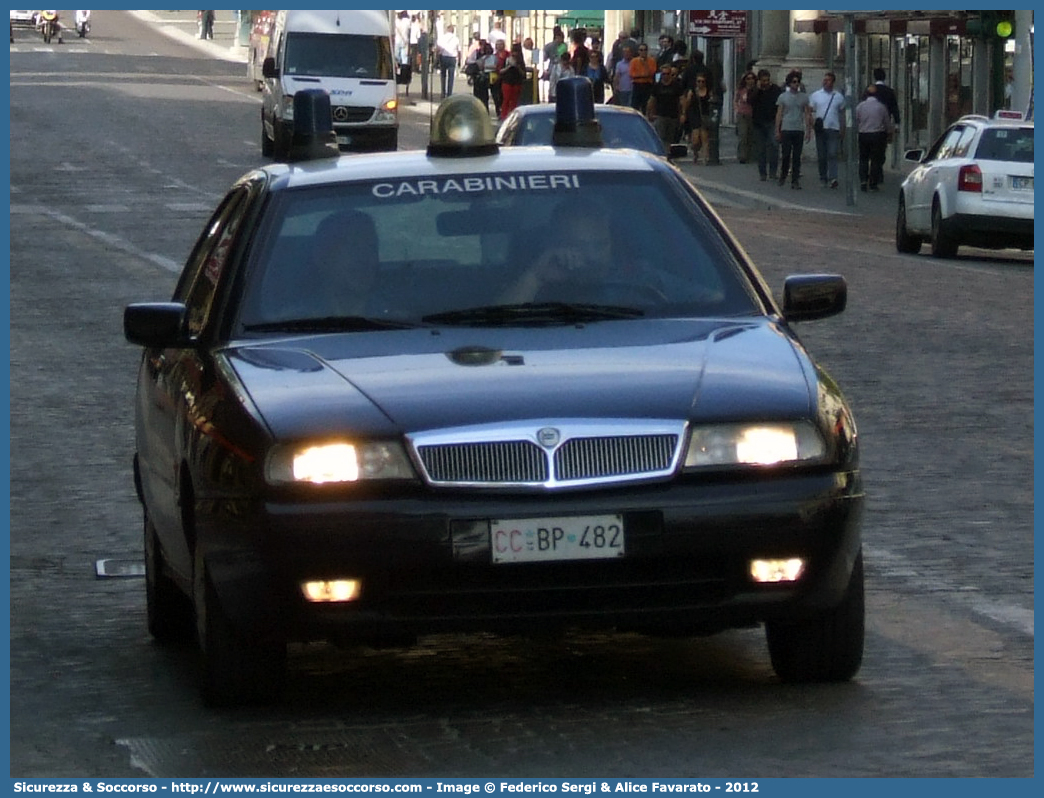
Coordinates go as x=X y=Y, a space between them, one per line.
x=1003 y=24
x=993 y=25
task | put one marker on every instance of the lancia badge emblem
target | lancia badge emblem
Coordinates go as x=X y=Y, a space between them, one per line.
x=548 y=437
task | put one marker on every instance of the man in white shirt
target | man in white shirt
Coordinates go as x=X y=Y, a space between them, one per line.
x=497 y=35
x=448 y=46
x=829 y=125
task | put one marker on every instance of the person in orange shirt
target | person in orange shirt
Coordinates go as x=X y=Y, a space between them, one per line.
x=643 y=75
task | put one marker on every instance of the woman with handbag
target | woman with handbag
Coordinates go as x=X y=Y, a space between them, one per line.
x=512 y=76
x=745 y=117
x=475 y=69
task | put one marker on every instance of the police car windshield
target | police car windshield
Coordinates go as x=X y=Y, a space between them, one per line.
x=338 y=56
x=416 y=248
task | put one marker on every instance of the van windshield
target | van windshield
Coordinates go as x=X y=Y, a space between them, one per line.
x=338 y=56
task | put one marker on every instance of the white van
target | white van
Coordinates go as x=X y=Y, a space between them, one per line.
x=346 y=53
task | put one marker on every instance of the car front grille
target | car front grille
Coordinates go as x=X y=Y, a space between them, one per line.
x=553 y=454
x=592 y=458
x=352 y=114
x=508 y=462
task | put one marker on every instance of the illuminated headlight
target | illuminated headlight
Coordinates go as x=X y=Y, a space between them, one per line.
x=331 y=590
x=288 y=108
x=782 y=570
x=388 y=111
x=753 y=444
x=337 y=462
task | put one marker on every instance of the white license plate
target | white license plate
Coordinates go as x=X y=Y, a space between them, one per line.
x=344 y=141
x=592 y=537
x=1022 y=183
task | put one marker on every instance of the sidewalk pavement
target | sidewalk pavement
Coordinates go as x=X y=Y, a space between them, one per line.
x=184 y=26
x=730 y=182
x=739 y=184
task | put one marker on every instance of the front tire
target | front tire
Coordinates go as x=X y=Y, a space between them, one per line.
x=904 y=242
x=943 y=243
x=267 y=145
x=282 y=137
x=827 y=647
x=169 y=611
x=234 y=670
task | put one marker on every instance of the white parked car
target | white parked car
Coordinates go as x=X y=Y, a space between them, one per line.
x=973 y=187
x=25 y=19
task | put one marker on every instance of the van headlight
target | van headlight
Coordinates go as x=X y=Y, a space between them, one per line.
x=755 y=444
x=388 y=112
x=336 y=461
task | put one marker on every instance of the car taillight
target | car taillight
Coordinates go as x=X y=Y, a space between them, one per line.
x=969 y=179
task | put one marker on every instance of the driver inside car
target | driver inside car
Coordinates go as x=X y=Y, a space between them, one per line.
x=577 y=261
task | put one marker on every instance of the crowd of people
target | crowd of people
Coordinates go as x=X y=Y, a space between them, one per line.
x=774 y=123
x=680 y=95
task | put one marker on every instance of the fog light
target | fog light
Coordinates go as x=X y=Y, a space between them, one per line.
x=777 y=570
x=332 y=590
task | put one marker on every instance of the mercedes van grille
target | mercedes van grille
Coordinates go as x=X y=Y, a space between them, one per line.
x=351 y=114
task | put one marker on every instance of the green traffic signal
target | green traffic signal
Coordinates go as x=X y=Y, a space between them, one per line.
x=992 y=23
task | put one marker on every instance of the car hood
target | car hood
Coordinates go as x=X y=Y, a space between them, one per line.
x=404 y=381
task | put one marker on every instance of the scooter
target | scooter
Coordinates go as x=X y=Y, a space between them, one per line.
x=50 y=26
x=83 y=23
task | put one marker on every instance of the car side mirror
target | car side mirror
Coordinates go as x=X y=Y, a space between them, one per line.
x=913 y=155
x=156 y=325
x=268 y=68
x=813 y=296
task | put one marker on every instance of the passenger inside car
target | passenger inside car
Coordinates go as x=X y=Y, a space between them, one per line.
x=338 y=275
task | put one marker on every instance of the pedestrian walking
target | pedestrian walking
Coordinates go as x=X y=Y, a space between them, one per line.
x=415 y=33
x=206 y=24
x=512 y=77
x=597 y=74
x=579 y=51
x=616 y=51
x=664 y=107
x=448 y=48
x=829 y=126
x=478 y=73
x=496 y=89
x=622 y=78
x=744 y=112
x=402 y=37
x=886 y=94
x=666 y=54
x=793 y=128
x=875 y=126
x=563 y=69
x=697 y=116
x=643 y=76
x=763 y=118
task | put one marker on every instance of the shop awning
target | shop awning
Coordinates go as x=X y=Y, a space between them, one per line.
x=897 y=24
x=582 y=19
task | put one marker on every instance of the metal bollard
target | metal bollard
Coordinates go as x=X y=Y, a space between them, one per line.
x=714 y=137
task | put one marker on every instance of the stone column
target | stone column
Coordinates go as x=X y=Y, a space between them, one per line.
x=772 y=45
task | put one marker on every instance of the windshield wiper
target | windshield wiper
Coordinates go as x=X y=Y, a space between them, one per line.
x=534 y=313
x=330 y=324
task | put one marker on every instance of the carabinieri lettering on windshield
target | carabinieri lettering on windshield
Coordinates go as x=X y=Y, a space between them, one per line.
x=466 y=185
